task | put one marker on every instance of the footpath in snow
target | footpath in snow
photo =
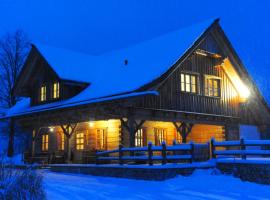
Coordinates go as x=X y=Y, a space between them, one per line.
x=203 y=184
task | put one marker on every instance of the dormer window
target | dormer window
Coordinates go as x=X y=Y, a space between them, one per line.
x=56 y=90
x=43 y=93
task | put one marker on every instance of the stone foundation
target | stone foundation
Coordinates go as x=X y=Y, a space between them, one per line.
x=258 y=173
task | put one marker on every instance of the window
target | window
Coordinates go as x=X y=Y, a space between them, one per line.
x=101 y=139
x=189 y=83
x=61 y=142
x=159 y=136
x=43 y=93
x=139 y=138
x=79 y=141
x=212 y=87
x=45 y=142
x=56 y=90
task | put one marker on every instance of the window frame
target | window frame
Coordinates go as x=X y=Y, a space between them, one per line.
x=184 y=83
x=56 y=90
x=61 y=144
x=139 y=140
x=210 y=92
x=80 y=141
x=45 y=142
x=160 y=132
x=43 y=93
x=101 y=142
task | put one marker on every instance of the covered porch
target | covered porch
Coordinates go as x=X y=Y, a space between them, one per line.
x=79 y=142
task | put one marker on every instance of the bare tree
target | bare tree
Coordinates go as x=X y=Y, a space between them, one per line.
x=14 y=48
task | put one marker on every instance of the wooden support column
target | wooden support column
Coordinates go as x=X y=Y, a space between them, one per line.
x=132 y=126
x=68 y=130
x=35 y=135
x=183 y=129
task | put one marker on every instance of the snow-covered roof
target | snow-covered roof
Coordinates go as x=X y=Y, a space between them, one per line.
x=108 y=74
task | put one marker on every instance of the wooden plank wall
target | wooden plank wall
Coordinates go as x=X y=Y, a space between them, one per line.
x=172 y=98
x=111 y=126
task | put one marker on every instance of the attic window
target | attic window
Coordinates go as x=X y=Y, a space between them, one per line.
x=43 y=93
x=56 y=90
x=189 y=83
x=212 y=86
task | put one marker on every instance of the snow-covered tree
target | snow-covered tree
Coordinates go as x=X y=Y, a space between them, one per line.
x=14 y=48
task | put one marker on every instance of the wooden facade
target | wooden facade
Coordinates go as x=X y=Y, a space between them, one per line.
x=197 y=99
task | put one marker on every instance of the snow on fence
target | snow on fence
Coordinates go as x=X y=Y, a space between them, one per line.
x=240 y=148
x=177 y=152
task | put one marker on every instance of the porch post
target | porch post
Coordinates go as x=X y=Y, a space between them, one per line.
x=183 y=129
x=68 y=131
x=131 y=124
x=35 y=135
x=33 y=142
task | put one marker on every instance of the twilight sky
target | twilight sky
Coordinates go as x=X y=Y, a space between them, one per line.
x=102 y=25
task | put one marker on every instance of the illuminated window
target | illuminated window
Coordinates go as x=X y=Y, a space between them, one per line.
x=139 y=138
x=189 y=83
x=43 y=93
x=61 y=142
x=45 y=142
x=101 y=139
x=160 y=136
x=56 y=90
x=212 y=87
x=79 y=141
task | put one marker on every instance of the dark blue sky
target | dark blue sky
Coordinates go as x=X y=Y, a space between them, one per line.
x=98 y=26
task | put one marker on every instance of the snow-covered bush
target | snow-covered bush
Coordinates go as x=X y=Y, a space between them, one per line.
x=19 y=183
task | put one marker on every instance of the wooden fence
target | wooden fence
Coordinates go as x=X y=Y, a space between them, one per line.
x=239 y=148
x=175 y=153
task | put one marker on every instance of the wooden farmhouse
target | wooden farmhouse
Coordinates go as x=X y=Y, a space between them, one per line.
x=187 y=85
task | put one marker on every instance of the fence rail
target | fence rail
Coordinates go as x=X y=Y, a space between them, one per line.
x=240 y=148
x=177 y=152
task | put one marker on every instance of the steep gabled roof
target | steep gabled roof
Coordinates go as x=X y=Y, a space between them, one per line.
x=119 y=72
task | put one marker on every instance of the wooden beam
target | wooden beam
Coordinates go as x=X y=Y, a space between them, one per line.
x=68 y=130
x=183 y=129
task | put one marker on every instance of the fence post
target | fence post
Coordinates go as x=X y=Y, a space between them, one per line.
x=212 y=146
x=150 y=154
x=191 y=151
x=164 y=155
x=243 y=148
x=96 y=157
x=174 y=143
x=120 y=154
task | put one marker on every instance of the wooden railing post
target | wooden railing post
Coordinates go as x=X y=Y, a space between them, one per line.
x=174 y=143
x=96 y=157
x=164 y=154
x=191 y=151
x=212 y=146
x=150 y=154
x=120 y=154
x=243 y=148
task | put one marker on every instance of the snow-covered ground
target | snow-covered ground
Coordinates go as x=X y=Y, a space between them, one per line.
x=203 y=184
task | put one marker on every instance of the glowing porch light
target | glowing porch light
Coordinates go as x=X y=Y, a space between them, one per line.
x=91 y=123
x=244 y=92
x=51 y=129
